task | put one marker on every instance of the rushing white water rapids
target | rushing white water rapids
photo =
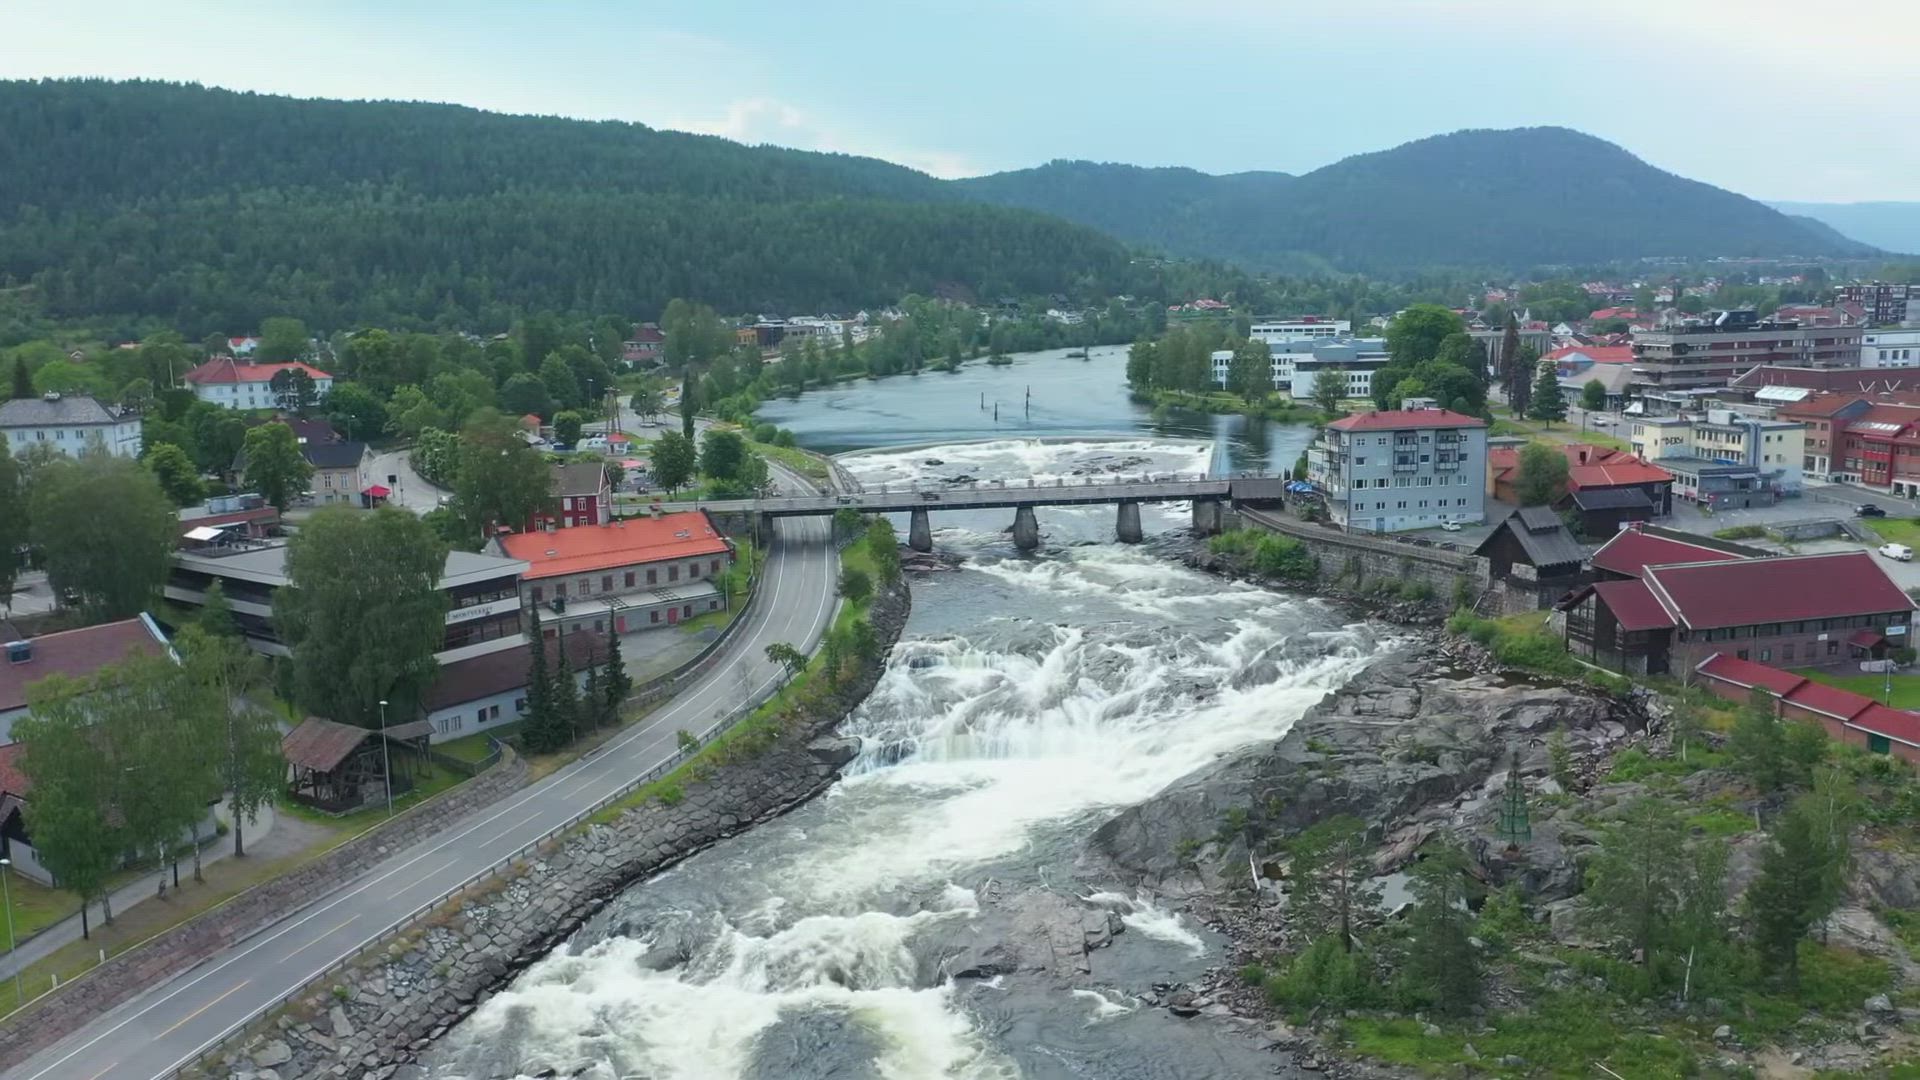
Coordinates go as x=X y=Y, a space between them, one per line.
x=1029 y=699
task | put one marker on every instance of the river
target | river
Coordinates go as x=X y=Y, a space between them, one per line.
x=1030 y=698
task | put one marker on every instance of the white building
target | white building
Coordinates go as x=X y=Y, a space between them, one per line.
x=69 y=424
x=232 y=384
x=1396 y=469
x=1310 y=328
x=1890 y=348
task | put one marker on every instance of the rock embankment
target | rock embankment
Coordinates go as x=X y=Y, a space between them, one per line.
x=376 y=1017
x=1420 y=741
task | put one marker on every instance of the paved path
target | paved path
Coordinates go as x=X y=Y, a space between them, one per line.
x=139 y=891
x=409 y=489
x=172 y=1023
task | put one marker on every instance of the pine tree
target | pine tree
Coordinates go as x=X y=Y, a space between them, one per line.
x=566 y=698
x=617 y=684
x=593 y=699
x=536 y=735
x=1441 y=969
x=1548 y=404
x=22 y=379
x=1516 y=826
x=1783 y=902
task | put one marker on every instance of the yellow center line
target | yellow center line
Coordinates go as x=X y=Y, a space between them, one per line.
x=204 y=1008
x=323 y=934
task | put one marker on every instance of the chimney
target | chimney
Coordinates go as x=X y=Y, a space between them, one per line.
x=1583 y=455
x=19 y=652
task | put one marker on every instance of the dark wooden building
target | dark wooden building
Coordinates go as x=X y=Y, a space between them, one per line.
x=338 y=767
x=1600 y=512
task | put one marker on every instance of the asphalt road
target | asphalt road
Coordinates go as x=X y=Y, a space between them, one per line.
x=409 y=489
x=174 y=1022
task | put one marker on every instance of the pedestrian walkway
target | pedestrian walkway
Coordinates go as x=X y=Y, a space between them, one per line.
x=66 y=931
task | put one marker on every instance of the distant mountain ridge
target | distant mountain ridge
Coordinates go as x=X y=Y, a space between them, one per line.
x=1512 y=198
x=1892 y=226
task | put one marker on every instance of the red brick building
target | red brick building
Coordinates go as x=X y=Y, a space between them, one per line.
x=1847 y=717
x=582 y=495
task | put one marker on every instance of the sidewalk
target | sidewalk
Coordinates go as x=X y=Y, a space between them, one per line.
x=67 y=930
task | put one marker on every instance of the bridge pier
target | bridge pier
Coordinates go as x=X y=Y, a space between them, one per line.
x=1026 y=529
x=1127 y=522
x=763 y=531
x=1206 y=517
x=919 y=531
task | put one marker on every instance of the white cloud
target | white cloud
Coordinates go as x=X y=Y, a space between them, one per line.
x=771 y=120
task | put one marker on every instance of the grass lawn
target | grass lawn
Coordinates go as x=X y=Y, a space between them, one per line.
x=805 y=464
x=1906 y=688
x=476 y=747
x=1895 y=529
x=429 y=780
x=712 y=620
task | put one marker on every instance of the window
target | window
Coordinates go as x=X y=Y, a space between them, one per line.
x=586 y=587
x=606 y=583
x=629 y=579
x=1879 y=744
x=687 y=612
x=450 y=724
x=653 y=616
x=1742 y=654
x=598 y=625
x=560 y=589
x=652 y=575
x=716 y=566
x=519 y=705
x=673 y=573
x=693 y=569
x=1833 y=648
x=1766 y=655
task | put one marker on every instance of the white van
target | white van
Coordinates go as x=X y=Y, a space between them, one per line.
x=592 y=442
x=1901 y=552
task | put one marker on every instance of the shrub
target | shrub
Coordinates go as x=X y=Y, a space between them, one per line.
x=765 y=433
x=1326 y=975
x=687 y=741
x=1740 y=532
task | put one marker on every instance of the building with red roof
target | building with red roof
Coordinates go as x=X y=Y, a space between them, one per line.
x=645 y=346
x=1846 y=716
x=1811 y=610
x=235 y=384
x=1387 y=470
x=76 y=654
x=625 y=575
x=1628 y=553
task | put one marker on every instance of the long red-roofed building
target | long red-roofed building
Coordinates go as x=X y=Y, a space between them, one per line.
x=1652 y=617
x=1846 y=716
x=626 y=575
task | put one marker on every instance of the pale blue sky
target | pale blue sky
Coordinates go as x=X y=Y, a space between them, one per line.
x=1772 y=98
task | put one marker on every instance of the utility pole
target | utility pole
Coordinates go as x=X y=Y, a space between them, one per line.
x=386 y=756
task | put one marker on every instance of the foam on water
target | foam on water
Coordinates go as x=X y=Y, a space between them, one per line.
x=1140 y=913
x=1044 y=462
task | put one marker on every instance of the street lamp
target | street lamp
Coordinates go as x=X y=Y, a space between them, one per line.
x=6 y=892
x=386 y=757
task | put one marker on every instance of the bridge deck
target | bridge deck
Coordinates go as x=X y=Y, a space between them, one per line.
x=983 y=497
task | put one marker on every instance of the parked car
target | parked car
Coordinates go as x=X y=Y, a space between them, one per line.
x=1900 y=552
x=1869 y=510
x=1603 y=421
x=930 y=496
x=1450 y=526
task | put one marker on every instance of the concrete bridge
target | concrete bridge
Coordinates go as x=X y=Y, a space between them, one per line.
x=919 y=502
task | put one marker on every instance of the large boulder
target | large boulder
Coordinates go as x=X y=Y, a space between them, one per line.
x=1413 y=733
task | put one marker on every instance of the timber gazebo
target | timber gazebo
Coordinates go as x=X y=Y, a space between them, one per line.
x=339 y=767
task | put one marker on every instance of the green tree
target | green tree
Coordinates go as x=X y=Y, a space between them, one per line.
x=1330 y=391
x=565 y=702
x=215 y=617
x=74 y=824
x=722 y=454
x=617 y=683
x=1141 y=364
x=499 y=479
x=356 y=411
x=1414 y=335
x=538 y=732
x=883 y=547
x=566 y=427
x=410 y=412
x=281 y=340
x=593 y=700
x=114 y=562
x=151 y=717
x=293 y=391
x=1333 y=879
x=855 y=585
x=1442 y=970
x=1786 y=899
x=175 y=472
x=276 y=468
x=245 y=735
x=1685 y=726
x=22 y=379
x=1542 y=476
x=363 y=611
x=1634 y=884
x=789 y=659
x=13 y=521
x=561 y=385
x=1548 y=404
x=526 y=395
x=646 y=402
x=1758 y=744
x=1593 y=396
x=673 y=460
x=1515 y=378
x=1250 y=370
x=1526 y=370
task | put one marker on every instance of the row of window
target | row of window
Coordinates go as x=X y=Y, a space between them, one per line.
x=1402 y=504
x=483 y=716
x=1787 y=651
x=630 y=578
x=1807 y=626
x=1409 y=481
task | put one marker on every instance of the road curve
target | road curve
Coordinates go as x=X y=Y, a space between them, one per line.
x=174 y=1022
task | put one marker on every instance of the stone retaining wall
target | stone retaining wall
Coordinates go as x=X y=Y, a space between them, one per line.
x=1360 y=558
x=391 y=1005
x=55 y=1015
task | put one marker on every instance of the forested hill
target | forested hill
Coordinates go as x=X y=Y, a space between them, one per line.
x=1509 y=199
x=213 y=210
